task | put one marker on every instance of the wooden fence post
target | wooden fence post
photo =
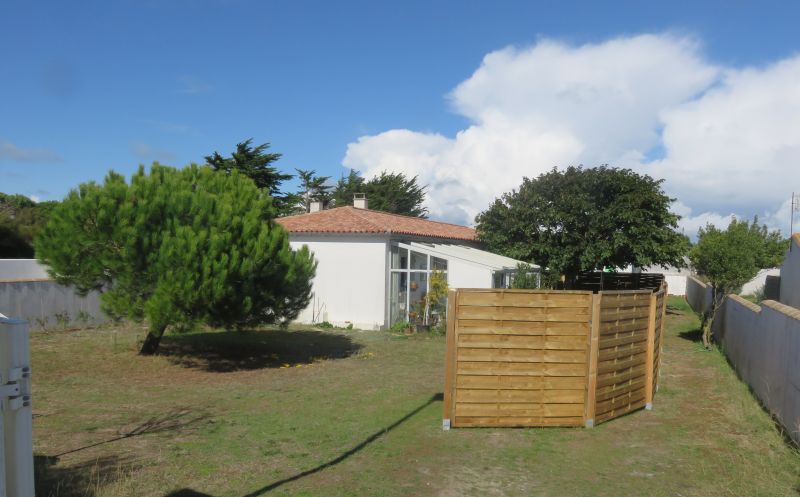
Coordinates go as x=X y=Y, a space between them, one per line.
x=665 y=288
x=649 y=365
x=450 y=360
x=594 y=350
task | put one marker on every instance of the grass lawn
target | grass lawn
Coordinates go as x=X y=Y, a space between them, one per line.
x=312 y=413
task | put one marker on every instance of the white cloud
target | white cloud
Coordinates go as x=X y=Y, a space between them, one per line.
x=728 y=137
x=11 y=152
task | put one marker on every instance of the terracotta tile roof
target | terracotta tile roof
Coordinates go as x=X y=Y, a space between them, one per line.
x=351 y=220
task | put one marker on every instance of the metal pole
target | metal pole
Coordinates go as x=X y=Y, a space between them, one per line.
x=16 y=454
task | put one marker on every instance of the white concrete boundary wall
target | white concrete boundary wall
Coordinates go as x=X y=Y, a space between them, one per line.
x=22 y=269
x=16 y=433
x=763 y=344
x=48 y=305
x=790 y=275
x=698 y=295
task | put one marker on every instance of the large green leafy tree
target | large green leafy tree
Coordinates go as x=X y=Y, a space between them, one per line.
x=585 y=219
x=731 y=257
x=257 y=164
x=388 y=192
x=178 y=247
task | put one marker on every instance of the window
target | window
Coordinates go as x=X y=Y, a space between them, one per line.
x=409 y=283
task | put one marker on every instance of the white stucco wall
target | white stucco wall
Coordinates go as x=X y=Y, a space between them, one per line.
x=698 y=295
x=790 y=275
x=350 y=285
x=22 y=270
x=763 y=344
x=462 y=274
x=676 y=284
x=758 y=282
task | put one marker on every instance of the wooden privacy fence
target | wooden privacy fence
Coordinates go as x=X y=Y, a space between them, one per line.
x=550 y=358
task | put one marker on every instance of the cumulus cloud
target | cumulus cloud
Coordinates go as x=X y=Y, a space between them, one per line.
x=14 y=153
x=726 y=137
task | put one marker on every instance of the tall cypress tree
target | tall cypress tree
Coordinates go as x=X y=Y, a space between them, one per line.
x=257 y=164
x=388 y=192
x=178 y=247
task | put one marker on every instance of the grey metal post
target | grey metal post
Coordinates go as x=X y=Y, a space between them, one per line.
x=16 y=433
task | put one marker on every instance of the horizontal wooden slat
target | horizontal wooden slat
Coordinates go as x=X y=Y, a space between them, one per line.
x=499 y=299
x=517 y=410
x=605 y=367
x=621 y=352
x=619 y=412
x=610 y=393
x=486 y=326
x=620 y=402
x=521 y=355
x=626 y=339
x=524 y=396
x=523 y=314
x=520 y=382
x=623 y=326
x=516 y=421
x=574 y=342
x=520 y=368
x=628 y=313
x=607 y=379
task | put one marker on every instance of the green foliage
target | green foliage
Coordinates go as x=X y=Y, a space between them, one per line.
x=436 y=298
x=730 y=258
x=401 y=327
x=20 y=219
x=583 y=219
x=256 y=164
x=178 y=247
x=312 y=188
x=524 y=277
x=389 y=192
x=325 y=325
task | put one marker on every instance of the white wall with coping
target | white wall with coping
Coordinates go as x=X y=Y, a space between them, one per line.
x=790 y=274
x=757 y=283
x=698 y=294
x=763 y=344
x=350 y=284
x=22 y=269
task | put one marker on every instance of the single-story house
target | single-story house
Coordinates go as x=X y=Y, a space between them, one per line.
x=373 y=266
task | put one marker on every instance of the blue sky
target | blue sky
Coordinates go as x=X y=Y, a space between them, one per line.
x=91 y=86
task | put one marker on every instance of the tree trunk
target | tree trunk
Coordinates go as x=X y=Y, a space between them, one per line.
x=151 y=341
x=717 y=295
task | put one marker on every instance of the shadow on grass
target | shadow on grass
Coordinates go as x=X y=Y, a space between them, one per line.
x=224 y=352
x=83 y=479
x=177 y=420
x=692 y=335
x=186 y=492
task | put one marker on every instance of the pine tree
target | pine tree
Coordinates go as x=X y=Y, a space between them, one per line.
x=178 y=247
x=256 y=164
